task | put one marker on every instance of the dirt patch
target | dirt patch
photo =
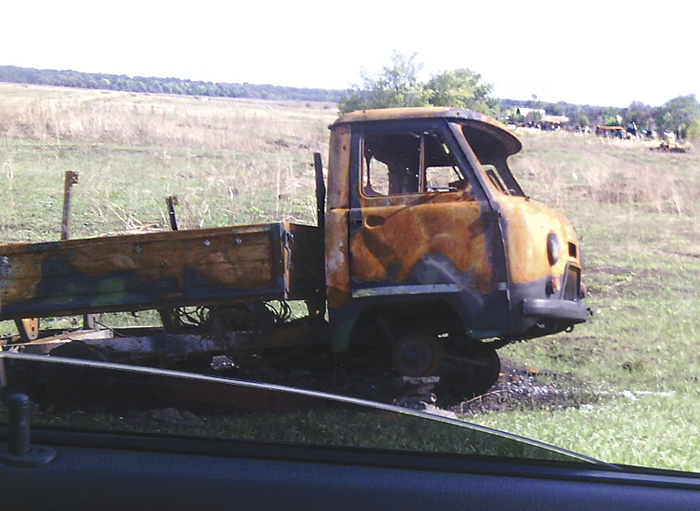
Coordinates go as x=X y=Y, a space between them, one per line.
x=518 y=388
x=522 y=388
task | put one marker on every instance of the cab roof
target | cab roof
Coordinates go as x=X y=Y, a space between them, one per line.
x=476 y=120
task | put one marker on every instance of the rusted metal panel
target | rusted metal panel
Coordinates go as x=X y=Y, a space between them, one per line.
x=394 y=240
x=134 y=272
x=304 y=274
x=339 y=168
x=528 y=224
x=337 y=258
x=482 y=122
x=336 y=221
x=392 y=114
x=28 y=328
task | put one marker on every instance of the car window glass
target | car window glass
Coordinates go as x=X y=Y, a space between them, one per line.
x=104 y=397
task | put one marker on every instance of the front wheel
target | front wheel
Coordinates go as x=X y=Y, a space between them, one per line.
x=471 y=374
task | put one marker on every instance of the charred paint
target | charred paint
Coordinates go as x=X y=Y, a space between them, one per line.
x=337 y=268
x=392 y=114
x=339 y=169
x=479 y=245
x=394 y=239
x=337 y=258
x=152 y=270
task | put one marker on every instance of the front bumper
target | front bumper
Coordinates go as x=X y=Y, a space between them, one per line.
x=562 y=310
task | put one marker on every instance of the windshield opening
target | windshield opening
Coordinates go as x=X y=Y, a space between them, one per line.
x=492 y=152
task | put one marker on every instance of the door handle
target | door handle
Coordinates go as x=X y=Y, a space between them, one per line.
x=355 y=218
x=374 y=221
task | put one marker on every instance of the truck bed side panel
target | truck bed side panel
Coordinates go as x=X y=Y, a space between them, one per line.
x=134 y=272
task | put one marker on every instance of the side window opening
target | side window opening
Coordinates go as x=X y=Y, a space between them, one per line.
x=441 y=172
x=392 y=164
x=408 y=163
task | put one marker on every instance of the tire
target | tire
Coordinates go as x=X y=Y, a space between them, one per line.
x=417 y=354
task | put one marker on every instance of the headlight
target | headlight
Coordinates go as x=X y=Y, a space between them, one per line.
x=553 y=248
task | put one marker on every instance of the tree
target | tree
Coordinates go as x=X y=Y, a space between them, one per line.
x=640 y=115
x=395 y=86
x=461 y=88
x=555 y=108
x=680 y=115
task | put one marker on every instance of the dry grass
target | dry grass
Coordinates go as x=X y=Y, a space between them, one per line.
x=565 y=167
x=102 y=117
x=228 y=161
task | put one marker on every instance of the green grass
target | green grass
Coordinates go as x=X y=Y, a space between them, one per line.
x=636 y=212
x=318 y=425
x=631 y=428
x=230 y=162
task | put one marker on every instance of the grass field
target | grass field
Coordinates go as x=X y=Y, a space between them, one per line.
x=636 y=211
x=227 y=161
x=236 y=161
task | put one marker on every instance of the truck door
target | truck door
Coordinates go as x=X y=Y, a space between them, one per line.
x=418 y=223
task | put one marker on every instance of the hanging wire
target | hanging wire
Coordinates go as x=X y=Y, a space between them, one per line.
x=281 y=312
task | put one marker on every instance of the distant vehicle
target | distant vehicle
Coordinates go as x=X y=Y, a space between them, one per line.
x=430 y=255
x=612 y=131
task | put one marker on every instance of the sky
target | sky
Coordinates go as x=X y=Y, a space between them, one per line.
x=603 y=53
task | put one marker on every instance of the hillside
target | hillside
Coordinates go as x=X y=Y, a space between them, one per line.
x=81 y=80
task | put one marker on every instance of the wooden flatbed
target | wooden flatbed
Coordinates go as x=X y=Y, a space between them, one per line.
x=160 y=270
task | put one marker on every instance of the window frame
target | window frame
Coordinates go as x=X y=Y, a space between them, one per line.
x=365 y=169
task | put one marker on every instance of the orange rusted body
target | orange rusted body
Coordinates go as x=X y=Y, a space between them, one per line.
x=408 y=233
x=427 y=227
x=529 y=221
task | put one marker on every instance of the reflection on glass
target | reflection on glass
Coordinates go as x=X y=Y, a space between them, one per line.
x=102 y=397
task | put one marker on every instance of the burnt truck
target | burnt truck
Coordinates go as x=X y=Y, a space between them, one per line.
x=427 y=255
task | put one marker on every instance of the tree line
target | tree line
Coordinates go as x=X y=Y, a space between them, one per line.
x=395 y=85
x=680 y=115
x=398 y=85
x=76 y=79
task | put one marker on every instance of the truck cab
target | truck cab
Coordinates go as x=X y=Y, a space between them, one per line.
x=433 y=249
